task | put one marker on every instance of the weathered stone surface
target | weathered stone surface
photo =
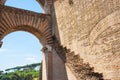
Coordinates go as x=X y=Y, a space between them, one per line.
x=90 y=28
x=82 y=71
x=2 y=2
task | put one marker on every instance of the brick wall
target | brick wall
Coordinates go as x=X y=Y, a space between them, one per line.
x=90 y=28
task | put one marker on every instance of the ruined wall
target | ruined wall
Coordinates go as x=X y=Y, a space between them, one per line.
x=70 y=75
x=91 y=29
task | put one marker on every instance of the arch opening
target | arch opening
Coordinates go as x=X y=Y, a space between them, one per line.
x=25 y=28
x=20 y=48
x=27 y=21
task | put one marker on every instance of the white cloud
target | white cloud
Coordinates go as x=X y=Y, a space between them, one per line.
x=31 y=59
x=6 y=50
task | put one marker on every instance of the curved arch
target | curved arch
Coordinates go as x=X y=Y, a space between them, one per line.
x=13 y=19
x=110 y=20
x=25 y=28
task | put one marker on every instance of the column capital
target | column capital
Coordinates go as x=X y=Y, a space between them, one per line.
x=49 y=48
x=46 y=48
x=43 y=49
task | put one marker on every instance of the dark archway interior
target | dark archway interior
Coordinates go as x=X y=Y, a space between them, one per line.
x=20 y=49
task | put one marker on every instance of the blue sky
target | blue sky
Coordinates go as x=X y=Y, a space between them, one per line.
x=32 y=5
x=20 y=48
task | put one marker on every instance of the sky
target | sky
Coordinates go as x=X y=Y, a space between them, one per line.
x=20 y=48
x=32 y=5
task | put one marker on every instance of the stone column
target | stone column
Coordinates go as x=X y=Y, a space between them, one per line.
x=49 y=56
x=47 y=63
x=44 y=64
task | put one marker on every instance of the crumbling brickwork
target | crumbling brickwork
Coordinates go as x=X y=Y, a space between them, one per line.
x=90 y=28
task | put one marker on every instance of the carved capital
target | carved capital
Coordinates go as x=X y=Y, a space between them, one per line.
x=49 y=48
x=46 y=48
x=43 y=49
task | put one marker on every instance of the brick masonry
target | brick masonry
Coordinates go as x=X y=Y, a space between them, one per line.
x=90 y=28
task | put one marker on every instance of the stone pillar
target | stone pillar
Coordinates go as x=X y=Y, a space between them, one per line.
x=44 y=65
x=47 y=63
x=49 y=56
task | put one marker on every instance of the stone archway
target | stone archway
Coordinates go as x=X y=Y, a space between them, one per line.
x=13 y=19
x=41 y=25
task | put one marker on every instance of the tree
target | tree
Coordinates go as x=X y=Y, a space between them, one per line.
x=1 y=72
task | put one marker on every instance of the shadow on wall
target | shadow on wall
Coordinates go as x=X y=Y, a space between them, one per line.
x=80 y=69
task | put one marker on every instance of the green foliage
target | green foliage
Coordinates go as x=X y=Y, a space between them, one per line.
x=22 y=75
x=30 y=66
x=1 y=72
